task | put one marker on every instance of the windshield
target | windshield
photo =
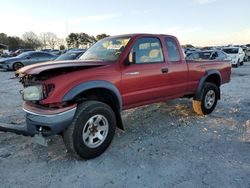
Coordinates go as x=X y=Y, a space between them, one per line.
x=231 y=50
x=205 y=55
x=108 y=49
x=24 y=54
x=68 y=56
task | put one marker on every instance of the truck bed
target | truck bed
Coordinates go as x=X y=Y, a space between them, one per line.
x=198 y=69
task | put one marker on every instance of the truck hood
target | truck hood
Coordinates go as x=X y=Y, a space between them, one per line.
x=38 y=68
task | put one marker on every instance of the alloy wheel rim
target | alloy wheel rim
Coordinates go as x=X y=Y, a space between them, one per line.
x=209 y=99
x=18 y=66
x=95 y=131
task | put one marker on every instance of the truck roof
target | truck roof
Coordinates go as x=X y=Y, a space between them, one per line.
x=140 y=34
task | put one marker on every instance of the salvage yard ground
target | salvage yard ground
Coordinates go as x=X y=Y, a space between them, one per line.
x=164 y=145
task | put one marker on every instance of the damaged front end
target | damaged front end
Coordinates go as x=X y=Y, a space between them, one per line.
x=45 y=119
x=41 y=119
x=46 y=115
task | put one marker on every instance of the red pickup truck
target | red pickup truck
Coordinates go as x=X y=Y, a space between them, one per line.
x=82 y=100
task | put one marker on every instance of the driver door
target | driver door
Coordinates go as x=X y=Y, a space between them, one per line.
x=33 y=58
x=145 y=79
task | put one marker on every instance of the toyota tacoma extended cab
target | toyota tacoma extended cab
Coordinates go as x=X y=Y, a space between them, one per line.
x=82 y=100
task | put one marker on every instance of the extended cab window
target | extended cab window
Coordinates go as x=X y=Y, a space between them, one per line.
x=147 y=50
x=172 y=48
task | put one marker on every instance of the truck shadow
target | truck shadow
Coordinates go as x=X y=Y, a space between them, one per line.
x=171 y=113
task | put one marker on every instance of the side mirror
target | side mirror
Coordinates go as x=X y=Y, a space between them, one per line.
x=28 y=57
x=131 y=58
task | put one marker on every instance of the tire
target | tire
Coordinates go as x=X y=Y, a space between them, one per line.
x=209 y=98
x=17 y=66
x=242 y=63
x=91 y=131
x=238 y=64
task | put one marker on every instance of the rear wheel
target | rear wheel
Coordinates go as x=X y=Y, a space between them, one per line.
x=17 y=66
x=91 y=131
x=209 y=98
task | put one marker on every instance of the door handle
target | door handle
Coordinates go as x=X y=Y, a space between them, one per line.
x=132 y=73
x=164 y=70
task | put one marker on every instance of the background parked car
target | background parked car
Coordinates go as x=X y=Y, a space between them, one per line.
x=188 y=51
x=4 y=51
x=52 y=51
x=246 y=50
x=26 y=58
x=218 y=55
x=19 y=51
x=70 y=55
x=237 y=55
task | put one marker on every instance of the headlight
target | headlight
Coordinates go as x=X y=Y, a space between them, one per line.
x=33 y=93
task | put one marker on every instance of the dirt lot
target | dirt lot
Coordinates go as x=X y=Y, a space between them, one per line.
x=165 y=145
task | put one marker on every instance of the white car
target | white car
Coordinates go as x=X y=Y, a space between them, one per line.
x=246 y=49
x=237 y=55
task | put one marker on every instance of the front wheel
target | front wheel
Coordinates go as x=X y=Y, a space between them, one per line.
x=91 y=130
x=17 y=66
x=209 y=98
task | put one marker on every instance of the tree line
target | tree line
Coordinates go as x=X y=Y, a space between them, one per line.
x=48 y=40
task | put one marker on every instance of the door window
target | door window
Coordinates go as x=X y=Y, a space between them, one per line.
x=34 y=55
x=146 y=50
x=222 y=55
x=214 y=56
x=44 y=55
x=172 y=48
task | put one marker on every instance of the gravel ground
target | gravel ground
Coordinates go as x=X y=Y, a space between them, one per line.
x=164 y=145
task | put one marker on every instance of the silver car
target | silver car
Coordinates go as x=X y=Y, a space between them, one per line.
x=217 y=55
x=26 y=58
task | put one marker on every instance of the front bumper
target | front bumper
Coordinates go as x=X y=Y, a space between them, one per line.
x=4 y=66
x=234 y=62
x=46 y=122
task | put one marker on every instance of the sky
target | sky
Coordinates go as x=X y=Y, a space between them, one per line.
x=197 y=22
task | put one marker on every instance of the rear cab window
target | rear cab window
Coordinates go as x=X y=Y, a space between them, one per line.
x=173 y=50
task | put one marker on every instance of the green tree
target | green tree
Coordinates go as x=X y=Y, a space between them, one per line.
x=188 y=46
x=77 y=39
x=72 y=40
x=62 y=47
x=85 y=38
x=3 y=38
x=15 y=43
x=101 y=36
